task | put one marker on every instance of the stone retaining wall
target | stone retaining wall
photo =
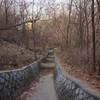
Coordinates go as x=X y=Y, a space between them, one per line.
x=68 y=88
x=14 y=82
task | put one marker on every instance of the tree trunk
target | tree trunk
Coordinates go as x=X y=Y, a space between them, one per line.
x=93 y=36
x=69 y=20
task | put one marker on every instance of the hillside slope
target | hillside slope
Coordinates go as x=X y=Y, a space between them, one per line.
x=12 y=56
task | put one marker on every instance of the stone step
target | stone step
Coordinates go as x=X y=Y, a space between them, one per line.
x=50 y=60
x=51 y=56
x=47 y=65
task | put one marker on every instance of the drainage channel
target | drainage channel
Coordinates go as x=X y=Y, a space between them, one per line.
x=42 y=88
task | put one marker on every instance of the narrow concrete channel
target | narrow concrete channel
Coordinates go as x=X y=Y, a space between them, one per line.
x=42 y=88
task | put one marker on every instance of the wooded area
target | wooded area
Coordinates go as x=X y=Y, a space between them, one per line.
x=73 y=26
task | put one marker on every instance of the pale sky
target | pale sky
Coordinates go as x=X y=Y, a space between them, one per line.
x=44 y=4
x=58 y=1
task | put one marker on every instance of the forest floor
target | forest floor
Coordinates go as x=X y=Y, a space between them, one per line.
x=92 y=80
x=13 y=56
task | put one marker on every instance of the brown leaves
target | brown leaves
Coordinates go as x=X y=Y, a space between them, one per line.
x=92 y=80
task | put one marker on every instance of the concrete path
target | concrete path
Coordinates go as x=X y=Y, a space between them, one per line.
x=42 y=88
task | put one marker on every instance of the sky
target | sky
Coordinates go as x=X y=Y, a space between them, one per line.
x=44 y=3
x=29 y=25
x=58 y=1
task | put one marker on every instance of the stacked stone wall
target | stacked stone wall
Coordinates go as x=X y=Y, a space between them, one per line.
x=69 y=88
x=14 y=82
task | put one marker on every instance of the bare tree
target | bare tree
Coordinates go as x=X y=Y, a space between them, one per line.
x=69 y=19
x=93 y=36
x=7 y=5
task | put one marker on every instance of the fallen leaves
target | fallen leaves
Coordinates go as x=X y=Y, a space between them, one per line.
x=92 y=80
